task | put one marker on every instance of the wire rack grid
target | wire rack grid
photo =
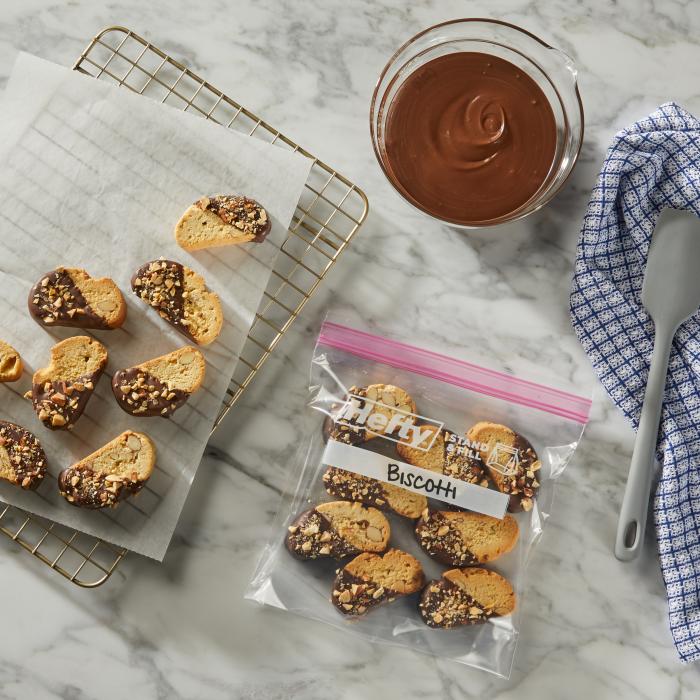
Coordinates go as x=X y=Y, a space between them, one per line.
x=328 y=215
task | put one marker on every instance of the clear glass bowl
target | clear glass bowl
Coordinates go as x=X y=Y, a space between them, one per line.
x=550 y=68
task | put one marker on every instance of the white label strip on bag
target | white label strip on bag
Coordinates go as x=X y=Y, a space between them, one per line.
x=430 y=484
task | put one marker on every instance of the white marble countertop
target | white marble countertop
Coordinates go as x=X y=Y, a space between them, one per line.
x=592 y=627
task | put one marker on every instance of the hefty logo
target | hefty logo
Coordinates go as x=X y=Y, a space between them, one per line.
x=388 y=422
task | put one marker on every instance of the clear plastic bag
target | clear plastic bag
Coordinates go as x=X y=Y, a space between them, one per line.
x=455 y=395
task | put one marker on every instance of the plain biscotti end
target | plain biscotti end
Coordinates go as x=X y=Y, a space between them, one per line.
x=10 y=363
x=203 y=309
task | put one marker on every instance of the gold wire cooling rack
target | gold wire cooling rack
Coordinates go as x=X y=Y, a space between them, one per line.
x=328 y=215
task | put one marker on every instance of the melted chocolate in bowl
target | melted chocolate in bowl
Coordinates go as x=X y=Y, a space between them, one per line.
x=469 y=137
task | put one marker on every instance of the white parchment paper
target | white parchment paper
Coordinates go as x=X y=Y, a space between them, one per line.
x=93 y=176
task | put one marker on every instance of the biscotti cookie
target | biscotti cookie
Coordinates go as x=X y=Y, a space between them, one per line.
x=511 y=461
x=61 y=391
x=116 y=471
x=356 y=487
x=338 y=529
x=466 y=597
x=181 y=297
x=10 y=363
x=353 y=423
x=465 y=538
x=22 y=460
x=448 y=454
x=158 y=387
x=372 y=579
x=68 y=296
x=222 y=219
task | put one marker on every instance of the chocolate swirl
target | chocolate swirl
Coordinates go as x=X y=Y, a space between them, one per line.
x=471 y=132
x=469 y=137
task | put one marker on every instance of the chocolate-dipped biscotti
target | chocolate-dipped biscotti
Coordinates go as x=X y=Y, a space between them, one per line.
x=466 y=597
x=180 y=296
x=68 y=296
x=158 y=387
x=222 y=219
x=447 y=455
x=511 y=461
x=10 y=363
x=61 y=390
x=349 y=424
x=372 y=579
x=22 y=460
x=111 y=474
x=465 y=538
x=355 y=487
x=338 y=529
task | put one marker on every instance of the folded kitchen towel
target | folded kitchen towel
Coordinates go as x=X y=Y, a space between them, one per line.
x=651 y=165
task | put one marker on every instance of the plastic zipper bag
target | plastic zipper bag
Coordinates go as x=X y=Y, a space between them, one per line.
x=417 y=493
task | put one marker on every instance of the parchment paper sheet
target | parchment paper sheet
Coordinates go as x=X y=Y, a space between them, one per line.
x=96 y=177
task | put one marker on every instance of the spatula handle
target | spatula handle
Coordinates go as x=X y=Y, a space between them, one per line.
x=633 y=516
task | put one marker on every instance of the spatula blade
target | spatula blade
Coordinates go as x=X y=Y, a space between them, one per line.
x=671 y=288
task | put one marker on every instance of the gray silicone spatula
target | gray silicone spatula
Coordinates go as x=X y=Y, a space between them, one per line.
x=670 y=294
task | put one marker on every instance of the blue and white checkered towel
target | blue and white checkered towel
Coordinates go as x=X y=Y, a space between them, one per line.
x=651 y=165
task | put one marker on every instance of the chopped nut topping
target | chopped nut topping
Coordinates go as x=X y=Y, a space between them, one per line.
x=447 y=605
x=355 y=596
x=242 y=212
x=55 y=405
x=143 y=394
x=26 y=457
x=441 y=541
x=310 y=537
x=58 y=399
x=82 y=486
x=57 y=299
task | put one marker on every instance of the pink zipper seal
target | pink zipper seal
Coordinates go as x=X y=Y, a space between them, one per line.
x=456 y=372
